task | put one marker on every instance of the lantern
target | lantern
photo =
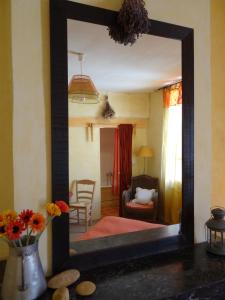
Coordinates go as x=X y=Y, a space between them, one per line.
x=215 y=231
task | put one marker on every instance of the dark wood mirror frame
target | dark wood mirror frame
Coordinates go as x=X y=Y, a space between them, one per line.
x=60 y=11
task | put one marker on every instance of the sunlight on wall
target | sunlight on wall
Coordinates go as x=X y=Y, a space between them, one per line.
x=218 y=104
x=31 y=122
x=155 y=133
x=6 y=115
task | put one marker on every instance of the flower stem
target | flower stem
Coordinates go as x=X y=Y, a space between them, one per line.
x=20 y=243
x=28 y=238
x=50 y=218
x=14 y=244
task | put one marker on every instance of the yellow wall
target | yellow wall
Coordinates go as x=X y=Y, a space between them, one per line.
x=84 y=162
x=31 y=138
x=84 y=155
x=155 y=132
x=125 y=105
x=31 y=122
x=6 y=114
x=218 y=103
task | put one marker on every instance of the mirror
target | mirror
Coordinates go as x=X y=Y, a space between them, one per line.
x=135 y=93
x=126 y=245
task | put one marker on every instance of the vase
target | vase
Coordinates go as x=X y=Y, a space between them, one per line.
x=24 y=277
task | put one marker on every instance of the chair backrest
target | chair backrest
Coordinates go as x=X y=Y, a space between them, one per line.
x=85 y=189
x=145 y=182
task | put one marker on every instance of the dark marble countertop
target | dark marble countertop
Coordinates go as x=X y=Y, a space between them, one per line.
x=189 y=274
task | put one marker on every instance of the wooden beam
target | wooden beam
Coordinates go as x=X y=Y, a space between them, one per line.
x=101 y=122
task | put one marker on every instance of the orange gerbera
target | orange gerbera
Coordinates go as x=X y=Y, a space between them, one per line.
x=14 y=229
x=53 y=209
x=25 y=216
x=9 y=215
x=62 y=206
x=37 y=222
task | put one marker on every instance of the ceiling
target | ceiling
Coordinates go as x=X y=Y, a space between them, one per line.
x=152 y=62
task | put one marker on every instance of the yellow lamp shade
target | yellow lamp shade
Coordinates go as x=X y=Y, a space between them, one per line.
x=145 y=151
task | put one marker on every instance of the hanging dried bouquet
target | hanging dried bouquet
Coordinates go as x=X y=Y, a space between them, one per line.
x=132 y=21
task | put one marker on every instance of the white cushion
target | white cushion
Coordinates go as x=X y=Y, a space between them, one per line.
x=143 y=196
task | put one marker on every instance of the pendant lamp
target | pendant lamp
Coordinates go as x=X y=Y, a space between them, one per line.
x=81 y=88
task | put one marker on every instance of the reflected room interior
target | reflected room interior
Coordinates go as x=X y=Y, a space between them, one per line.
x=125 y=136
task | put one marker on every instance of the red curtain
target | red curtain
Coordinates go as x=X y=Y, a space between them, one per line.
x=116 y=165
x=125 y=153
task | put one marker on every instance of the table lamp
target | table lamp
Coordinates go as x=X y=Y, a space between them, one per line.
x=145 y=152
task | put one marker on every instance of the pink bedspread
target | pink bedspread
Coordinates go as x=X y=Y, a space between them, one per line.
x=111 y=225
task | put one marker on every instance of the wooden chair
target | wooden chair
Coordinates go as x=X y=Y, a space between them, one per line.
x=84 y=199
x=140 y=211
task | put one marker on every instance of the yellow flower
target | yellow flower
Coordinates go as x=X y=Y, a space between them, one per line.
x=8 y=216
x=53 y=210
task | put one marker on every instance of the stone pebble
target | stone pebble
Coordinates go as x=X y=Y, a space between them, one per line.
x=61 y=294
x=85 y=288
x=64 y=279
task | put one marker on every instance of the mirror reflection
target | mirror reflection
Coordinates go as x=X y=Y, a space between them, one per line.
x=125 y=136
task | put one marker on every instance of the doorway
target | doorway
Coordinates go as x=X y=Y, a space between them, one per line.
x=109 y=202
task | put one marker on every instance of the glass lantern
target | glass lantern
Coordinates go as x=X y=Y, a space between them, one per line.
x=215 y=231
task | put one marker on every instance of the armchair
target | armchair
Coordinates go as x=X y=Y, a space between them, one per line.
x=147 y=212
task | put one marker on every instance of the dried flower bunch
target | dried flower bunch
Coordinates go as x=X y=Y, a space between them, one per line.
x=132 y=21
x=108 y=112
x=23 y=229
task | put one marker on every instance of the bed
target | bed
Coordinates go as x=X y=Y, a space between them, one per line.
x=112 y=225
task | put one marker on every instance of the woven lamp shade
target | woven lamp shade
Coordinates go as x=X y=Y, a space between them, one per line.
x=145 y=151
x=82 y=90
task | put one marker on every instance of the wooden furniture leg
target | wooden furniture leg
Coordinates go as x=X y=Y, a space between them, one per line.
x=86 y=217
x=78 y=215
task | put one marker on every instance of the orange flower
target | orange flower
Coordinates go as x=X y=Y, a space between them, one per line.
x=25 y=216
x=37 y=222
x=14 y=229
x=53 y=209
x=9 y=215
x=62 y=206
